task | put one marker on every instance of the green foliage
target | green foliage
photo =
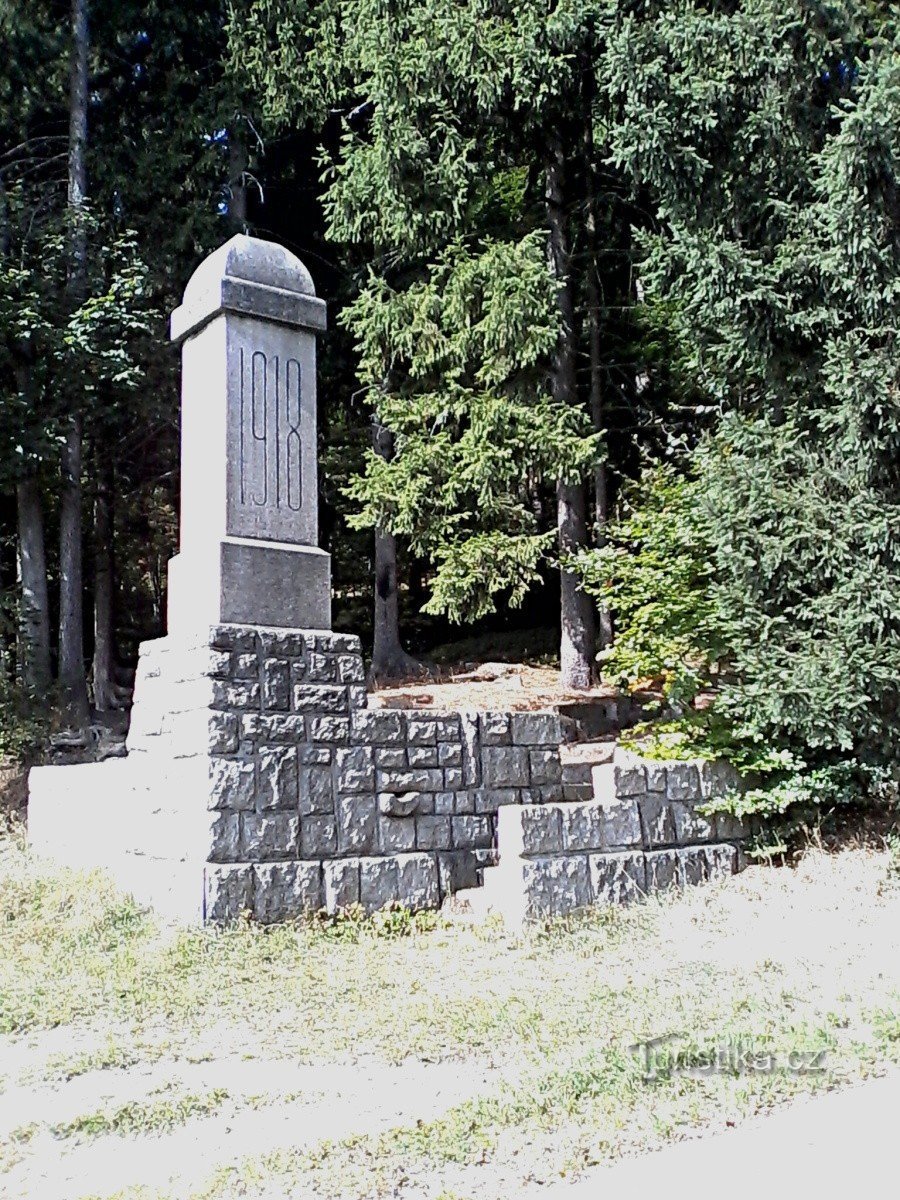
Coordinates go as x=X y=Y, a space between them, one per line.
x=655 y=574
x=23 y=722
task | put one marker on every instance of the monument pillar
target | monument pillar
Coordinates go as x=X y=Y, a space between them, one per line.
x=247 y=327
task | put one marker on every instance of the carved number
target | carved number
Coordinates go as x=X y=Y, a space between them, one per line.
x=267 y=407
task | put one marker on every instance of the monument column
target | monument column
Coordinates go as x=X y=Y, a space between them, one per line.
x=249 y=503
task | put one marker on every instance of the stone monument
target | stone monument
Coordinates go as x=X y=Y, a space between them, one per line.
x=256 y=778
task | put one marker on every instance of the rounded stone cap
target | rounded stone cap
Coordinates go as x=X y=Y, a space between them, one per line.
x=250 y=276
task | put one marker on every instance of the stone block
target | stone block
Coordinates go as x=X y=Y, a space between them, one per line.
x=620 y=825
x=278 y=778
x=298 y=671
x=582 y=827
x=285 y=891
x=448 y=727
x=276 y=685
x=453 y=778
x=464 y=802
x=282 y=643
x=719 y=779
x=320 y=698
x=662 y=870
x=423 y=756
x=378 y=883
x=399 y=804
x=556 y=886
x=318 y=837
x=418 y=885
x=721 y=861
x=238 y=695
x=691 y=865
x=224 y=844
x=223 y=733
x=617 y=878
x=268 y=837
x=545 y=767
x=422 y=780
x=273 y=727
x=377 y=728
x=690 y=825
x=656 y=776
x=444 y=803
x=396 y=836
x=495 y=729
x=458 y=869
x=339 y=643
x=491 y=800
x=682 y=781
x=471 y=747
x=536 y=729
x=228 y=892
x=630 y=780
x=242 y=666
x=233 y=637
x=232 y=784
x=356 y=769
x=350 y=668
x=433 y=833
x=449 y=754
x=391 y=758
x=357 y=696
x=340 y=880
x=658 y=822
x=357 y=824
x=315 y=756
x=535 y=830
x=322 y=668
x=505 y=766
x=470 y=832
x=316 y=791
x=421 y=732
x=329 y=729
x=548 y=795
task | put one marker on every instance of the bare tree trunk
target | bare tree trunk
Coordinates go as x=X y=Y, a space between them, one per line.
x=35 y=604
x=576 y=653
x=105 y=695
x=72 y=679
x=237 y=184
x=595 y=341
x=389 y=659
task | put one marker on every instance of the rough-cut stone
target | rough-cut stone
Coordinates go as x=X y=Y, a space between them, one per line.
x=545 y=767
x=690 y=825
x=464 y=802
x=238 y=695
x=322 y=668
x=617 y=878
x=682 y=781
x=316 y=791
x=719 y=779
x=284 y=891
x=356 y=769
x=691 y=865
x=228 y=892
x=357 y=824
x=495 y=729
x=658 y=821
x=268 y=837
x=453 y=778
x=340 y=880
x=556 y=886
x=315 y=756
x=721 y=861
x=423 y=756
x=620 y=824
x=449 y=754
x=417 y=881
x=273 y=727
x=505 y=766
x=541 y=829
x=329 y=729
x=421 y=732
x=232 y=784
x=315 y=699
x=396 y=836
x=536 y=729
x=282 y=643
x=471 y=832
x=246 y=666
x=350 y=668
x=377 y=728
x=448 y=727
x=582 y=827
x=662 y=870
x=378 y=883
x=390 y=758
x=224 y=836
x=278 y=778
x=224 y=731
x=656 y=776
x=276 y=685
x=433 y=833
x=471 y=764
x=630 y=780
x=318 y=837
x=444 y=803
x=422 y=780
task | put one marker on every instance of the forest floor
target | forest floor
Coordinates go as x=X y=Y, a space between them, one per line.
x=424 y=1057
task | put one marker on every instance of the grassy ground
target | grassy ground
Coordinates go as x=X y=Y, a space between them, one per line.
x=402 y=1057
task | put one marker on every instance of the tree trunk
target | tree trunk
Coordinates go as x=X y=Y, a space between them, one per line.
x=72 y=679
x=237 y=185
x=595 y=340
x=389 y=659
x=576 y=654
x=35 y=604
x=105 y=693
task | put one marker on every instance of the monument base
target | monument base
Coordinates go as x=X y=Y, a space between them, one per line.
x=245 y=581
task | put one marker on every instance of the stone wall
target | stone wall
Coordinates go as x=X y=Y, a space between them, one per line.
x=316 y=801
x=647 y=835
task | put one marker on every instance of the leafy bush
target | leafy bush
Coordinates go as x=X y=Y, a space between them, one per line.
x=23 y=725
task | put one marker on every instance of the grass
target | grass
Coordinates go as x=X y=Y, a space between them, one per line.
x=756 y=982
